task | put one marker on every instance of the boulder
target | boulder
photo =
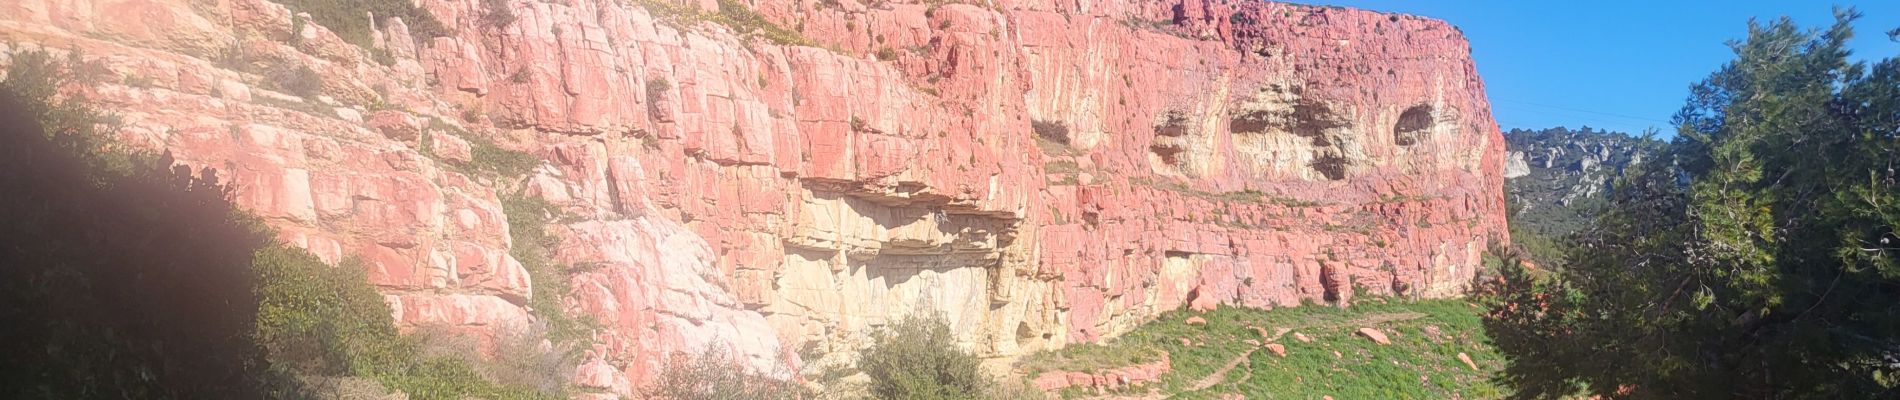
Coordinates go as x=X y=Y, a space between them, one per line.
x=1375 y=335
x=396 y=125
x=449 y=147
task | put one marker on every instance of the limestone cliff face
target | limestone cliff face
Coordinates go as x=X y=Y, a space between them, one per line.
x=723 y=188
x=1559 y=178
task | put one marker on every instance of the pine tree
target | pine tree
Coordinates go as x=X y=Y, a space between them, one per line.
x=1755 y=258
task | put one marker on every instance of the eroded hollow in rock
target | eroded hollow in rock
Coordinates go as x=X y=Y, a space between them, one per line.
x=1291 y=134
x=1331 y=166
x=1313 y=121
x=1414 y=124
x=1170 y=154
x=1170 y=138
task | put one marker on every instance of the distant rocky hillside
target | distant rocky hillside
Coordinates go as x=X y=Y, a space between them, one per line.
x=1556 y=176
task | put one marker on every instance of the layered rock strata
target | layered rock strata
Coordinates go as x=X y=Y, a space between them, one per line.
x=781 y=176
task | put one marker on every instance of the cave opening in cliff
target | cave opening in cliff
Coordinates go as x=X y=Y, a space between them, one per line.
x=1333 y=167
x=1169 y=139
x=1253 y=122
x=1170 y=153
x=1313 y=121
x=1413 y=125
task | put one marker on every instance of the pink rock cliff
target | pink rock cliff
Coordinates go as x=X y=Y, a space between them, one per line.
x=1041 y=173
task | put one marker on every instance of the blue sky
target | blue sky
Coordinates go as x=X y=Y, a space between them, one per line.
x=1616 y=64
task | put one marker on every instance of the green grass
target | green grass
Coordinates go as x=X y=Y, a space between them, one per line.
x=1053 y=148
x=528 y=218
x=1090 y=357
x=348 y=18
x=732 y=14
x=1363 y=370
x=1249 y=195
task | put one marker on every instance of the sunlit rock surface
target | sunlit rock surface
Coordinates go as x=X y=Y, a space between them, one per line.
x=724 y=189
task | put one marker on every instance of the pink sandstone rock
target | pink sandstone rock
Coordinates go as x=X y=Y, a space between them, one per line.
x=1050 y=382
x=1375 y=335
x=1115 y=378
x=1194 y=321
x=730 y=191
x=1277 y=349
x=1302 y=337
x=396 y=125
x=1464 y=358
x=450 y=148
x=595 y=374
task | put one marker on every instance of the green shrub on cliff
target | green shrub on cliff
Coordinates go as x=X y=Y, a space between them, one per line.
x=318 y=319
x=348 y=20
x=534 y=247
x=715 y=374
x=487 y=157
x=733 y=14
x=916 y=358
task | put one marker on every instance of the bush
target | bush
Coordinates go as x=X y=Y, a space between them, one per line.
x=656 y=87
x=733 y=14
x=531 y=358
x=343 y=388
x=499 y=14
x=534 y=247
x=715 y=374
x=316 y=319
x=487 y=157
x=916 y=358
x=122 y=276
x=345 y=18
x=294 y=79
x=1052 y=130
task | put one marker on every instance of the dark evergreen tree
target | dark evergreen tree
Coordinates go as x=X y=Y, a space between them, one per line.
x=121 y=276
x=1754 y=259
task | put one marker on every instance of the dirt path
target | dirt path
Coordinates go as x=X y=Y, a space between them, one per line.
x=1380 y=318
x=1221 y=374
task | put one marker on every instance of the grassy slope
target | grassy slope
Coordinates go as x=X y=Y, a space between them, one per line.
x=1363 y=371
